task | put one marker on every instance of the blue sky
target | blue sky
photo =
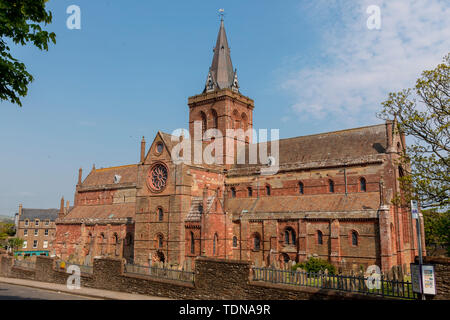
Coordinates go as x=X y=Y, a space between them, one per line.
x=310 y=66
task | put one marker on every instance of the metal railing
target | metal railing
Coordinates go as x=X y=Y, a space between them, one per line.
x=157 y=272
x=25 y=264
x=373 y=286
x=60 y=264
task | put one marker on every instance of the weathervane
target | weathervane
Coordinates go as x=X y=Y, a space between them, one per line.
x=221 y=14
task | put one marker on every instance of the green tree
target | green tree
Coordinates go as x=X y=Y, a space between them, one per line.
x=20 y=22
x=315 y=265
x=423 y=113
x=15 y=243
x=437 y=228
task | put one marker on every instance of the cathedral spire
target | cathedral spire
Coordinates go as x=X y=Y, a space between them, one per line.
x=221 y=74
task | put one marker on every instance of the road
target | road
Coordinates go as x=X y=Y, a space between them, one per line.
x=15 y=292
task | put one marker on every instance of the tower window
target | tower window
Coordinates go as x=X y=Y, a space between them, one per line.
x=215 y=119
x=256 y=241
x=331 y=186
x=250 y=191
x=300 y=188
x=233 y=192
x=204 y=122
x=215 y=241
x=235 y=242
x=362 y=185
x=160 y=241
x=160 y=214
x=268 y=190
x=289 y=236
x=319 y=237
x=354 y=238
x=192 y=243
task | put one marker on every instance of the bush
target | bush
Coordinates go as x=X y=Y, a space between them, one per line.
x=315 y=265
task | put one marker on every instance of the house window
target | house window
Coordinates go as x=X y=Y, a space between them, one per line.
x=36 y=232
x=25 y=243
x=319 y=237
x=268 y=190
x=160 y=214
x=192 y=243
x=233 y=192
x=235 y=242
x=46 y=232
x=300 y=188
x=45 y=244
x=331 y=186
x=36 y=222
x=26 y=223
x=362 y=184
x=250 y=191
x=354 y=238
x=35 y=244
x=256 y=241
x=47 y=222
x=25 y=232
x=289 y=236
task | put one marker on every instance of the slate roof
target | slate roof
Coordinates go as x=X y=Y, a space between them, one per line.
x=354 y=143
x=105 y=176
x=119 y=210
x=41 y=214
x=305 y=203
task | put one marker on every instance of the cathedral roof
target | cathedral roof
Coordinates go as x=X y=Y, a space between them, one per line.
x=102 y=212
x=305 y=203
x=104 y=176
x=338 y=146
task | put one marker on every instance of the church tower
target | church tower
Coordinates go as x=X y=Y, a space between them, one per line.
x=221 y=105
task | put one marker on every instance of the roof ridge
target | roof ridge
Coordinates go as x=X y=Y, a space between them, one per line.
x=329 y=132
x=116 y=167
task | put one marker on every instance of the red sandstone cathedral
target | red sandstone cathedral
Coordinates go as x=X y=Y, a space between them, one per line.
x=330 y=198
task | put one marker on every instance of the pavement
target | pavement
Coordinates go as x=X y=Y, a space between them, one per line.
x=62 y=289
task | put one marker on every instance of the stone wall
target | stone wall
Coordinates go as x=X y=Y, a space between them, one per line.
x=442 y=271
x=214 y=279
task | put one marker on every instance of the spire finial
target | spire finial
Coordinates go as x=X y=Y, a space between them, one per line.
x=221 y=14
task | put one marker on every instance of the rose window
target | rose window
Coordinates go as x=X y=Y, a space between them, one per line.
x=157 y=177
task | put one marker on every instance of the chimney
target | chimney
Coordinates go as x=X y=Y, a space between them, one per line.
x=61 y=209
x=142 y=149
x=80 y=174
x=67 y=206
x=20 y=209
x=93 y=167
